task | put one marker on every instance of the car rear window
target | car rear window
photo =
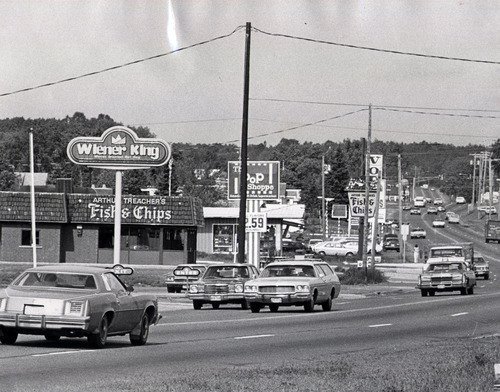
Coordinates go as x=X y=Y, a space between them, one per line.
x=62 y=280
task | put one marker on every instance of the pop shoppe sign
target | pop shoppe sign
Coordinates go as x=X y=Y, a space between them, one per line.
x=118 y=148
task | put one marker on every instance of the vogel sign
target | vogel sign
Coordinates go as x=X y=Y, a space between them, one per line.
x=118 y=148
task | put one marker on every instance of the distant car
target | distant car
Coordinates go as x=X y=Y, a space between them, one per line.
x=438 y=222
x=418 y=232
x=336 y=248
x=222 y=284
x=293 y=283
x=428 y=200
x=391 y=243
x=454 y=218
x=441 y=209
x=75 y=301
x=438 y=201
x=481 y=267
x=311 y=243
x=460 y=200
x=182 y=275
x=446 y=276
x=406 y=207
x=488 y=210
x=289 y=245
x=415 y=211
x=432 y=210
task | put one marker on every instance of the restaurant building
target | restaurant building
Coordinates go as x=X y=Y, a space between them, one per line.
x=79 y=228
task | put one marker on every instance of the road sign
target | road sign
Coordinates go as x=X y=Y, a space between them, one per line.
x=256 y=222
x=339 y=211
x=263 y=180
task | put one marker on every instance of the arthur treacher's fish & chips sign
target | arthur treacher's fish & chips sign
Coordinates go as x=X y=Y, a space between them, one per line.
x=118 y=148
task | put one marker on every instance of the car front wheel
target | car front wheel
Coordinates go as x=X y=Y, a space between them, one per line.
x=98 y=339
x=327 y=305
x=309 y=305
x=142 y=338
x=197 y=304
x=8 y=336
x=255 y=307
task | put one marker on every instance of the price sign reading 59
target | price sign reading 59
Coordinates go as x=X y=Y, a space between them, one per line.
x=256 y=222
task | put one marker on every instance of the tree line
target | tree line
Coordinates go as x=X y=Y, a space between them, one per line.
x=199 y=169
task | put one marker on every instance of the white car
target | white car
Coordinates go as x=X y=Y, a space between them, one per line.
x=460 y=200
x=453 y=218
x=418 y=232
x=438 y=222
x=438 y=201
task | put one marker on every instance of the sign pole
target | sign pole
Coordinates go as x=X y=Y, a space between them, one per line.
x=118 y=217
x=32 y=191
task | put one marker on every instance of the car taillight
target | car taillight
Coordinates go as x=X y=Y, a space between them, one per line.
x=75 y=308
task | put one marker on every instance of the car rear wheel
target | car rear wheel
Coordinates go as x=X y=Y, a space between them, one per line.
x=424 y=292
x=255 y=307
x=273 y=308
x=8 y=336
x=197 y=304
x=142 y=338
x=98 y=339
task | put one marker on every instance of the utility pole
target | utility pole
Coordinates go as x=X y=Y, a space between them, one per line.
x=366 y=226
x=244 y=151
x=400 y=203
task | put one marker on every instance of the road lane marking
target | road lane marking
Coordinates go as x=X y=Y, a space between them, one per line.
x=253 y=336
x=379 y=325
x=459 y=314
x=60 y=353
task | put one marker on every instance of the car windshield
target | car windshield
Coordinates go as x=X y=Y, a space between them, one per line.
x=51 y=279
x=446 y=253
x=228 y=272
x=288 y=271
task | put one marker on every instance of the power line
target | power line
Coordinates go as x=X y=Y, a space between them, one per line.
x=377 y=49
x=121 y=65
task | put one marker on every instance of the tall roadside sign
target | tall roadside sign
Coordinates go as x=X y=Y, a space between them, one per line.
x=262 y=183
x=119 y=148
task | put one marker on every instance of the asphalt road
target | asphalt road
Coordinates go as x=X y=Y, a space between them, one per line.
x=206 y=339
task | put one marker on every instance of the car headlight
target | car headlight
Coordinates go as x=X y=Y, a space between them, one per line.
x=3 y=304
x=238 y=288
x=170 y=278
x=251 y=288
x=75 y=308
x=193 y=289
x=302 y=287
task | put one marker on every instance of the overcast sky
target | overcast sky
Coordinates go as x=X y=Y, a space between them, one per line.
x=195 y=93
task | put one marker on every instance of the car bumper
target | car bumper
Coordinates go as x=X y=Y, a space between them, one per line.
x=278 y=299
x=43 y=322
x=441 y=286
x=222 y=298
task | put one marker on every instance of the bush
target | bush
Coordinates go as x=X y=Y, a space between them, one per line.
x=356 y=275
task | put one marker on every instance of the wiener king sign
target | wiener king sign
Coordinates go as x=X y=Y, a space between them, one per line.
x=118 y=148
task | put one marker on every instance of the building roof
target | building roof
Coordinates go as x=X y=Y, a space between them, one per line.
x=273 y=211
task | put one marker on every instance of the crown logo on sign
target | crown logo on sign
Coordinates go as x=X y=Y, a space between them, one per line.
x=118 y=140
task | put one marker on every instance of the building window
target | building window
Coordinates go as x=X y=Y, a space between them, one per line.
x=224 y=238
x=140 y=238
x=26 y=237
x=172 y=239
x=106 y=237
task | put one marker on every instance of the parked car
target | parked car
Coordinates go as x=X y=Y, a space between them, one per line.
x=418 y=232
x=336 y=248
x=438 y=201
x=432 y=210
x=75 y=301
x=391 y=243
x=289 y=245
x=312 y=242
x=182 y=275
x=488 y=210
x=222 y=284
x=438 y=222
x=481 y=267
x=460 y=200
x=293 y=283
x=446 y=276
x=415 y=211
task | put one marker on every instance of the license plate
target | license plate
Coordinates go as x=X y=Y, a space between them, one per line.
x=36 y=310
x=215 y=298
x=441 y=286
x=276 y=300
